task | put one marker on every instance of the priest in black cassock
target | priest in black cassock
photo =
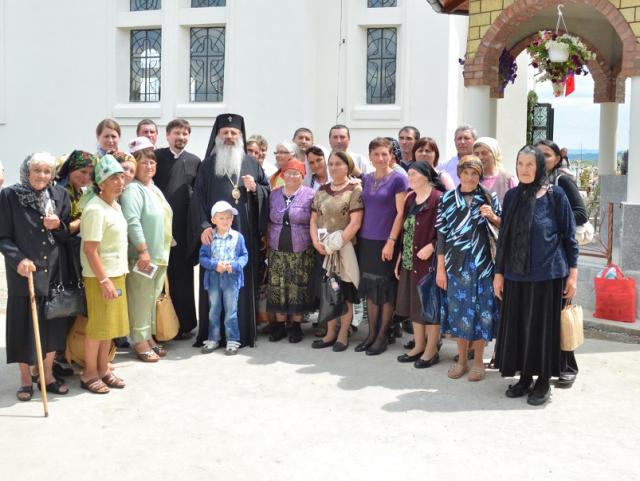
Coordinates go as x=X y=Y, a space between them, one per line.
x=175 y=177
x=228 y=173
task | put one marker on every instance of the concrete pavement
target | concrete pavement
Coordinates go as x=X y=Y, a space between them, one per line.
x=287 y=412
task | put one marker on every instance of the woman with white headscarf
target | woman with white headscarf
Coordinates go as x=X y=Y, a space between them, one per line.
x=495 y=178
x=33 y=227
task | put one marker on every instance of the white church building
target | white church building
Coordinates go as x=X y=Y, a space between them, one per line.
x=374 y=65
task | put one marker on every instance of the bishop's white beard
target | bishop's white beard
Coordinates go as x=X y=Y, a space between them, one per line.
x=229 y=158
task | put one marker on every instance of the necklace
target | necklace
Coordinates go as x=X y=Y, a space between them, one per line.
x=337 y=187
x=235 y=193
x=377 y=183
x=288 y=199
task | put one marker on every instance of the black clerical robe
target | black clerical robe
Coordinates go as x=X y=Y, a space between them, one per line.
x=251 y=222
x=175 y=177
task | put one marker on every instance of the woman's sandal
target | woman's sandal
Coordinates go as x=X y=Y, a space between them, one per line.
x=457 y=371
x=159 y=350
x=95 y=386
x=148 y=356
x=476 y=374
x=24 y=393
x=56 y=387
x=113 y=381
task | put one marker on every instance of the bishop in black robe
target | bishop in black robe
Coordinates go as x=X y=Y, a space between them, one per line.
x=175 y=177
x=251 y=222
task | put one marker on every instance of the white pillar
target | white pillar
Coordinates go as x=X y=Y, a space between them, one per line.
x=633 y=168
x=480 y=110
x=607 y=146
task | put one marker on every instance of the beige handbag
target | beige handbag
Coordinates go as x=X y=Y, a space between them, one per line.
x=75 y=342
x=571 y=327
x=167 y=324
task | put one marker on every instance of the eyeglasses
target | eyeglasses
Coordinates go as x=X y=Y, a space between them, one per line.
x=282 y=152
x=292 y=173
x=147 y=162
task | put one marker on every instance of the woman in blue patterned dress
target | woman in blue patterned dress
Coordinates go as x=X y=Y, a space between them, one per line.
x=465 y=266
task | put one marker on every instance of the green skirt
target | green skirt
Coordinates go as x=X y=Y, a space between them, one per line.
x=107 y=319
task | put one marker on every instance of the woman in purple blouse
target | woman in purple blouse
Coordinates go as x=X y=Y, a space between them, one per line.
x=290 y=256
x=383 y=193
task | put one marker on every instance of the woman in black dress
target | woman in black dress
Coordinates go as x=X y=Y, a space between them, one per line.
x=33 y=227
x=536 y=269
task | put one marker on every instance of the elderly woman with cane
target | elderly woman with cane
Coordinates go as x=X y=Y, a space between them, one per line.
x=33 y=226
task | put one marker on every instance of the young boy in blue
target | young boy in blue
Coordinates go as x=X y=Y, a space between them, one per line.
x=223 y=261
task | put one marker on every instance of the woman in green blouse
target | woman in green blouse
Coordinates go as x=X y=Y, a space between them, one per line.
x=149 y=219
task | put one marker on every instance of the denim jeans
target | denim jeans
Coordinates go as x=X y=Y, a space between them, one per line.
x=223 y=292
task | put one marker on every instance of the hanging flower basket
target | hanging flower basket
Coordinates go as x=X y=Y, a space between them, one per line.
x=558 y=51
x=558 y=56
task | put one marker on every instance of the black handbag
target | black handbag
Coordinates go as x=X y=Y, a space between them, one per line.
x=430 y=295
x=332 y=303
x=66 y=300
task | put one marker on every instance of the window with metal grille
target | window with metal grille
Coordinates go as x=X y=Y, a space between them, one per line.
x=207 y=64
x=144 y=85
x=208 y=3
x=138 y=5
x=381 y=65
x=382 y=3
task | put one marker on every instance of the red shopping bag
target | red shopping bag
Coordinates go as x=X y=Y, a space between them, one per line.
x=615 y=298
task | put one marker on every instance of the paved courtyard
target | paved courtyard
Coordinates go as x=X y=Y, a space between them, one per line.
x=287 y=412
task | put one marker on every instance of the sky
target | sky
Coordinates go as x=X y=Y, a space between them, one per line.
x=577 y=118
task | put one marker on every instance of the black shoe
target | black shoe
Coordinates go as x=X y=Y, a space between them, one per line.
x=519 y=389
x=320 y=344
x=566 y=379
x=183 y=336
x=407 y=358
x=422 y=363
x=278 y=332
x=339 y=347
x=410 y=345
x=61 y=371
x=121 y=343
x=540 y=394
x=376 y=348
x=364 y=345
x=295 y=333
x=199 y=343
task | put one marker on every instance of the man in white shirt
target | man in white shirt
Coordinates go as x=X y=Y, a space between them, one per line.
x=464 y=137
x=339 y=139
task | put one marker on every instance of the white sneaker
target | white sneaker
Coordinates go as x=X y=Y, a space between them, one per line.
x=209 y=346
x=232 y=348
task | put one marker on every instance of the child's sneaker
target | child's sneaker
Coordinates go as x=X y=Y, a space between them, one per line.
x=232 y=348
x=209 y=346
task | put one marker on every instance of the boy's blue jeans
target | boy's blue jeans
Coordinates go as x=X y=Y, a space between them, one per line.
x=223 y=292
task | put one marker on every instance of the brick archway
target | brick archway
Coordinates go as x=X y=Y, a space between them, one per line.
x=482 y=69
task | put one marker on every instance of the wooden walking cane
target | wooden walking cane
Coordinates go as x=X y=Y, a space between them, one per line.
x=36 y=334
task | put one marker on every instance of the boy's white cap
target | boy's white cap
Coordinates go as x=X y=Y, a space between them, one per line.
x=222 y=206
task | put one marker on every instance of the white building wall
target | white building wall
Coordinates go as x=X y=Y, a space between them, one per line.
x=65 y=67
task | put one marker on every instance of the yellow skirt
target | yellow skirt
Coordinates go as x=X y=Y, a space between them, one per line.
x=107 y=319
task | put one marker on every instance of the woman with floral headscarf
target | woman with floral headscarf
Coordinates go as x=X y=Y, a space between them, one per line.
x=103 y=229
x=33 y=227
x=536 y=270
x=75 y=175
x=465 y=266
x=494 y=177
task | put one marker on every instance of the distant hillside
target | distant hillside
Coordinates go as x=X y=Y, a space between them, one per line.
x=587 y=156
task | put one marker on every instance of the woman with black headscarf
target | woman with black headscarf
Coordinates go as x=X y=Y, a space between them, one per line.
x=536 y=267
x=33 y=227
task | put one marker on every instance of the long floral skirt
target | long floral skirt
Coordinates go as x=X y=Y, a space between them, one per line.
x=289 y=289
x=470 y=310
